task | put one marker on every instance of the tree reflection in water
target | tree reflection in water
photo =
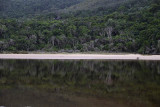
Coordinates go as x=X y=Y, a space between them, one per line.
x=139 y=79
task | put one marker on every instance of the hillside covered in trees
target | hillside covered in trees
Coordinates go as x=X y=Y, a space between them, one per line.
x=80 y=26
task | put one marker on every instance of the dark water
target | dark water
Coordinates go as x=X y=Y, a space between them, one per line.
x=77 y=83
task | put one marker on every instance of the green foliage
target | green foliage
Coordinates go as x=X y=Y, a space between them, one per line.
x=83 y=30
x=29 y=8
x=124 y=29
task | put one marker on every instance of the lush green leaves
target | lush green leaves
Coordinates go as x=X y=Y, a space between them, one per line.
x=124 y=30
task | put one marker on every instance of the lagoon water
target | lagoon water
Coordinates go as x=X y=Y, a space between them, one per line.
x=77 y=83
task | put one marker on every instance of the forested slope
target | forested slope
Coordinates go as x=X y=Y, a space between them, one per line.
x=133 y=26
x=28 y=8
x=94 y=4
x=31 y=8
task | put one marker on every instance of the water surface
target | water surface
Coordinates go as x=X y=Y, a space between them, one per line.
x=50 y=83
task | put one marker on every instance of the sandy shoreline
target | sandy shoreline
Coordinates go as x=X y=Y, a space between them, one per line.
x=81 y=56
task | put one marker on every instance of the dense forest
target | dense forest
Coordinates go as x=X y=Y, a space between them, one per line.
x=131 y=26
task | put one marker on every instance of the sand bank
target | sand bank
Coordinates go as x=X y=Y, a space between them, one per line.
x=81 y=56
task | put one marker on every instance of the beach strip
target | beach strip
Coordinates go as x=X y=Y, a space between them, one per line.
x=81 y=56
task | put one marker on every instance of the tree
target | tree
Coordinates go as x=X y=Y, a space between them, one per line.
x=71 y=30
x=83 y=30
x=109 y=28
x=159 y=45
x=3 y=29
